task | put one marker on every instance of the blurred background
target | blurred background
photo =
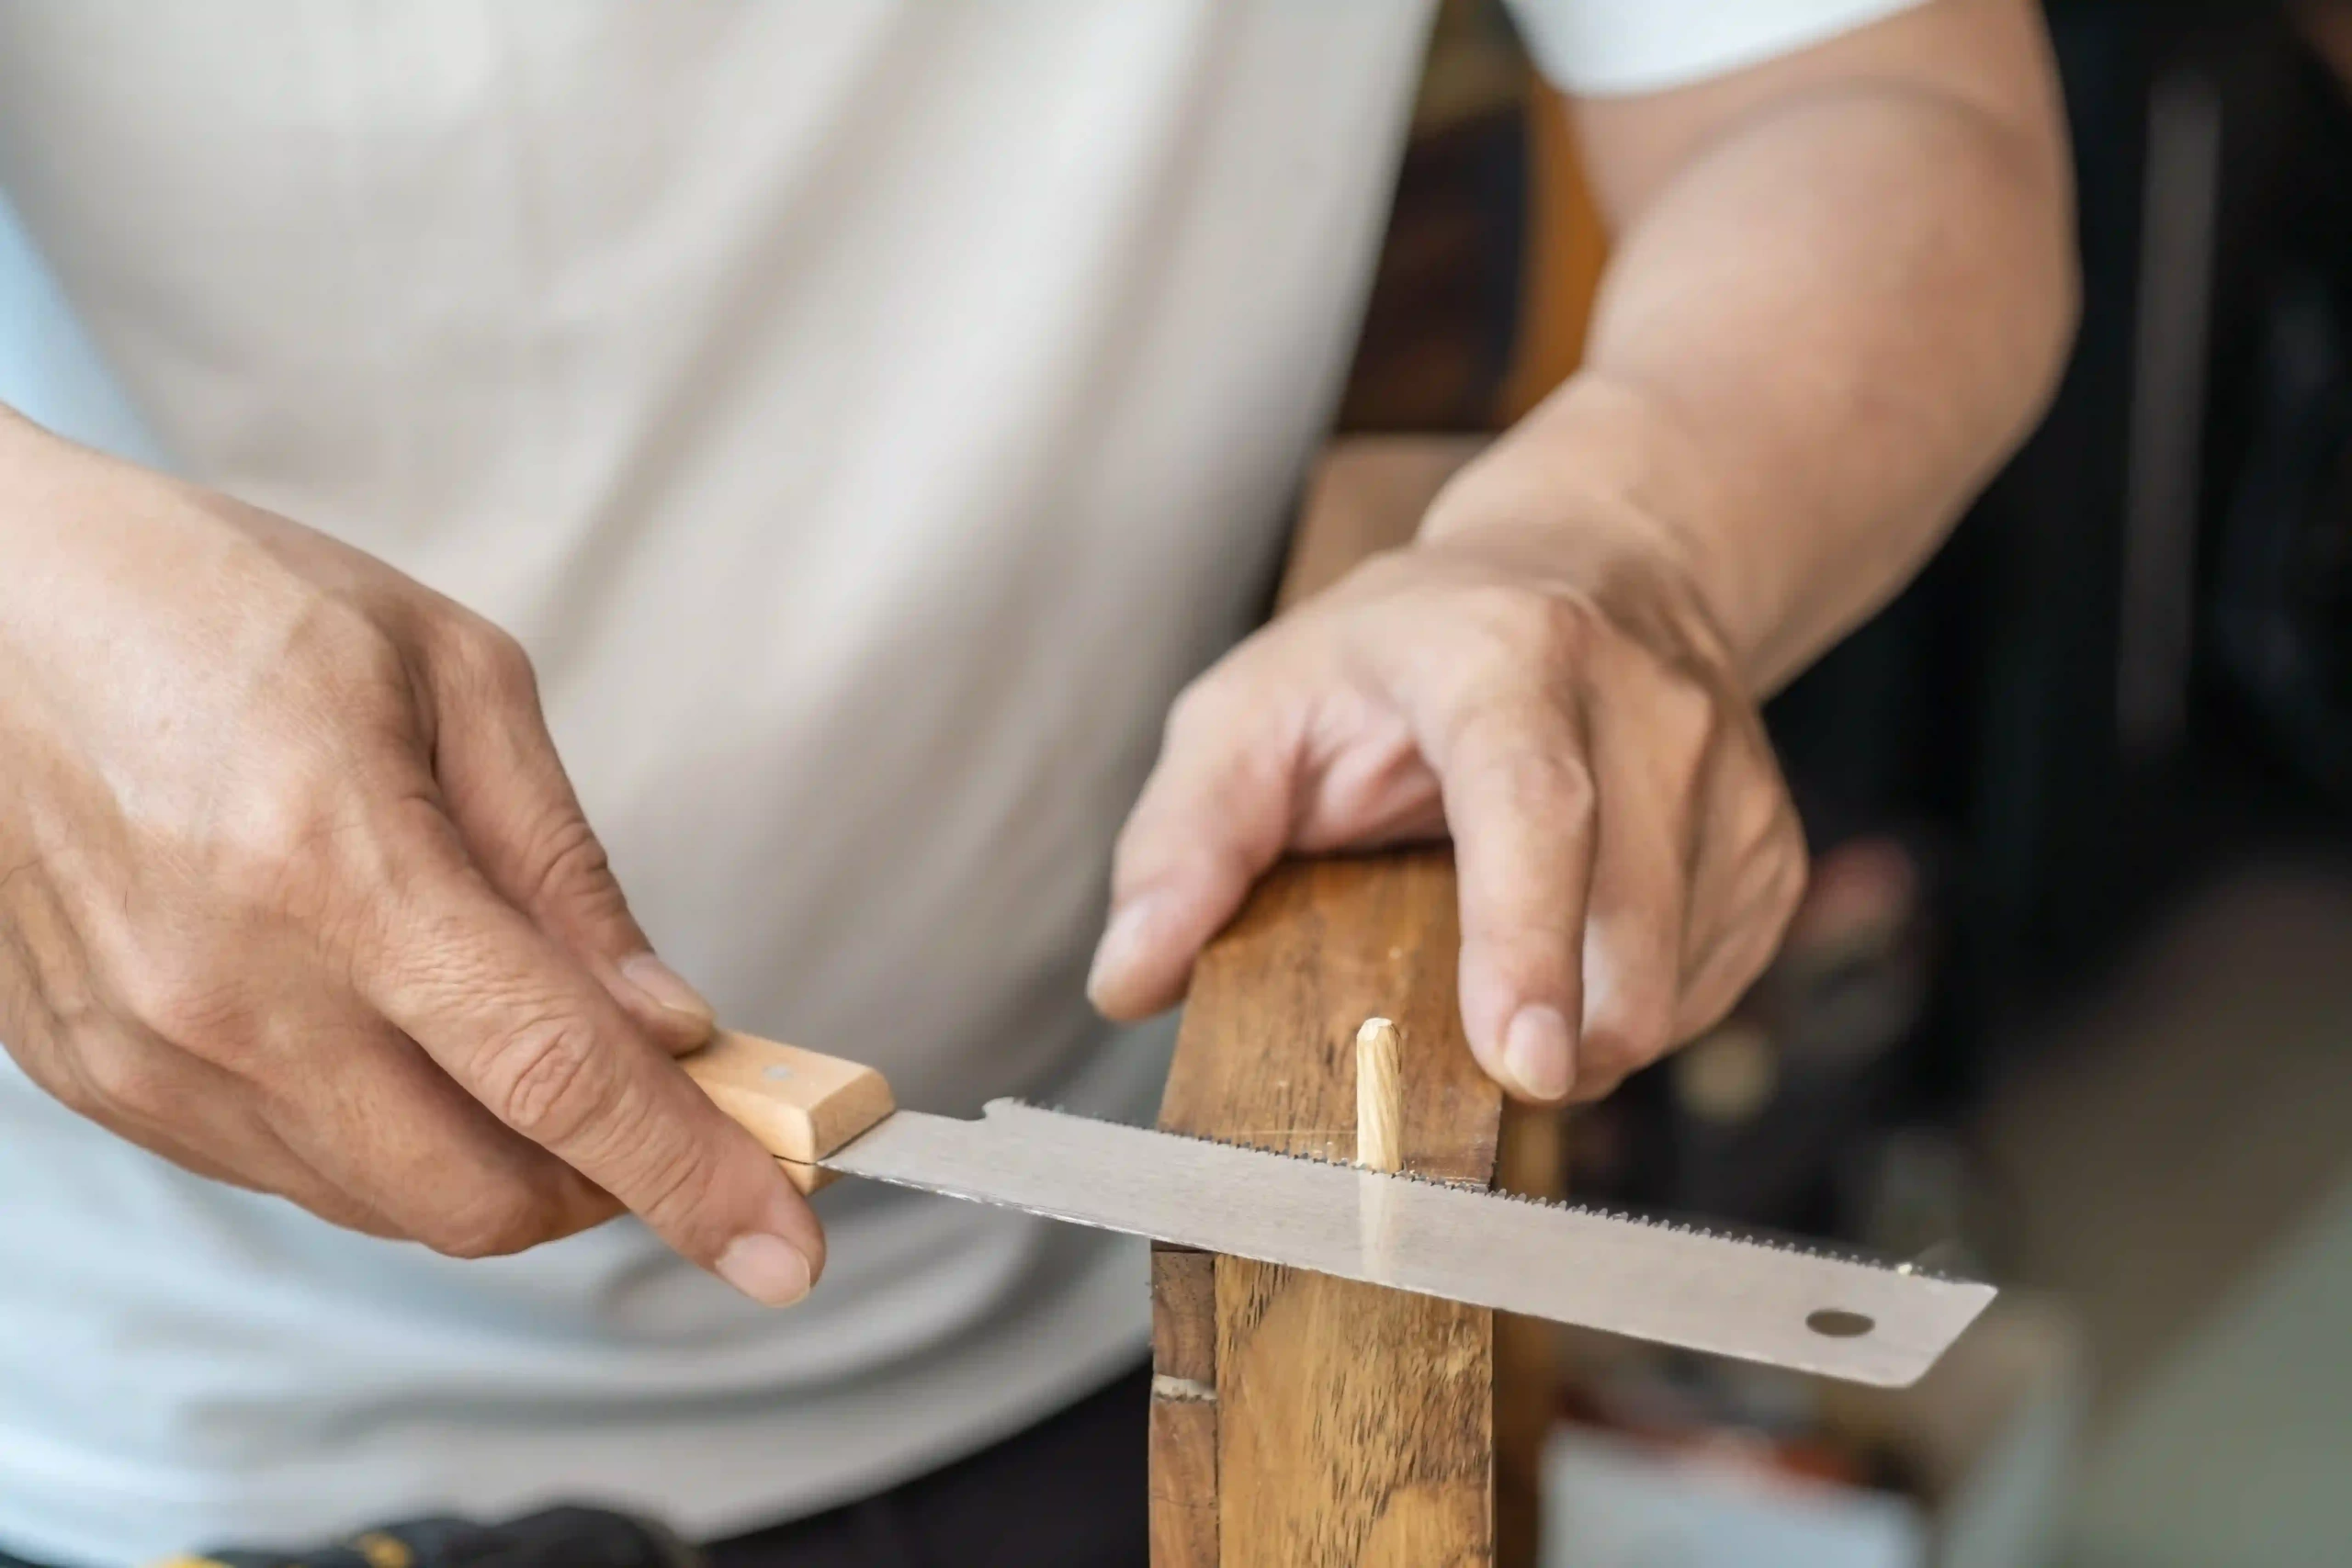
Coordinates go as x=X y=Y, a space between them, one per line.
x=2070 y=1002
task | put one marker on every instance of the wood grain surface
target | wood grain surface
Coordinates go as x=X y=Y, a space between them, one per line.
x=1349 y=1424
x=1354 y=1426
x=1266 y=1055
x=1183 y=1408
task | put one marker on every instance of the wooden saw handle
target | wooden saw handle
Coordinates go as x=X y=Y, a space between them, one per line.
x=801 y=1106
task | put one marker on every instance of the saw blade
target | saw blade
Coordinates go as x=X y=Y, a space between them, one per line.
x=1677 y=1284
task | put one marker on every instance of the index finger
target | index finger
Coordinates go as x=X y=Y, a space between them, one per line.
x=533 y=1036
x=1519 y=804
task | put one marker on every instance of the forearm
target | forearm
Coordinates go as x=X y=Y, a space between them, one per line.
x=1816 y=342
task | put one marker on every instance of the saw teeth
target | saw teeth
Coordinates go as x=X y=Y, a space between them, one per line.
x=1743 y=1235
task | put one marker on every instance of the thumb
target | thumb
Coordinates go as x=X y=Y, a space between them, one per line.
x=1214 y=814
x=505 y=790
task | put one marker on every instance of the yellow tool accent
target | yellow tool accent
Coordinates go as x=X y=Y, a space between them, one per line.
x=383 y=1551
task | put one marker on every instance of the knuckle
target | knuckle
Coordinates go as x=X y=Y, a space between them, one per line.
x=1737 y=958
x=276 y=842
x=1568 y=780
x=182 y=999
x=491 y=659
x=1552 y=781
x=1550 y=634
x=338 y=639
x=494 y=1221
x=352 y=679
x=681 y=1180
x=1685 y=721
x=1232 y=697
x=570 y=861
x=1564 y=630
x=541 y=1079
x=1783 y=880
x=1786 y=835
x=77 y=1092
x=62 y=1068
x=1199 y=709
x=123 y=1077
x=306 y=747
x=1753 y=820
x=1770 y=867
x=312 y=850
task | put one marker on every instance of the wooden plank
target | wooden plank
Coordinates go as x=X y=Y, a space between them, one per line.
x=1266 y=1055
x=1183 y=1408
x=1184 y=1337
x=1354 y=1425
x=1183 y=1484
x=1347 y=1425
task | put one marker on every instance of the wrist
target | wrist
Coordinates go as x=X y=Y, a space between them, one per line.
x=1588 y=494
x=1600 y=478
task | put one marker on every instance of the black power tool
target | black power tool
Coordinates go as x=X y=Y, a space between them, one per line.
x=556 y=1538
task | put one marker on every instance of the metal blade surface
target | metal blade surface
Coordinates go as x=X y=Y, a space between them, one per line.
x=1729 y=1295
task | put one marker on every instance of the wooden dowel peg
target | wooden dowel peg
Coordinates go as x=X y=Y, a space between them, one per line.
x=1380 y=1097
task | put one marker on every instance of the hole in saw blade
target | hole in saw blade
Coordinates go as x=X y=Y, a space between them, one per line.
x=1836 y=1322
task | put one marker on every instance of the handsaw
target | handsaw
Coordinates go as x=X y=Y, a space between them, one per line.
x=1335 y=925
x=1741 y=1295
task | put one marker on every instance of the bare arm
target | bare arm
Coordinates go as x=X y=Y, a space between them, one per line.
x=1843 y=288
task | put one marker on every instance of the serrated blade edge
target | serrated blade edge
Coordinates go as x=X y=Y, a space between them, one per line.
x=1673 y=1284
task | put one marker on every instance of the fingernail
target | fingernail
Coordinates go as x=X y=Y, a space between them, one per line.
x=668 y=991
x=1122 y=944
x=1535 y=1052
x=768 y=1269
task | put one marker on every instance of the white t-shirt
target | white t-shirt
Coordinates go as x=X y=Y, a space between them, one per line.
x=869 y=415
